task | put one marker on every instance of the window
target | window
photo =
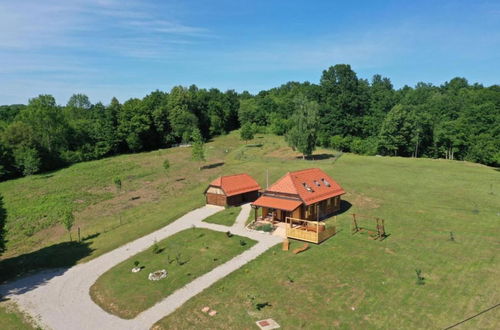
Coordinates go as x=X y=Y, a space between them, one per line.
x=326 y=182
x=307 y=187
x=317 y=183
x=329 y=202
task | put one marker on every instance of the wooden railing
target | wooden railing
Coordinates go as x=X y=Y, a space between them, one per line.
x=309 y=231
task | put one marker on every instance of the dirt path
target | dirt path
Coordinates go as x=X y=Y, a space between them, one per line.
x=60 y=299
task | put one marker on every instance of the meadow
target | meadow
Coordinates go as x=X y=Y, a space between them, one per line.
x=349 y=281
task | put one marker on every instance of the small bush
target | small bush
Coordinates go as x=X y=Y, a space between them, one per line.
x=452 y=237
x=118 y=183
x=136 y=264
x=229 y=234
x=156 y=248
x=265 y=228
x=242 y=242
x=420 y=278
x=259 y=306
x=166 y=164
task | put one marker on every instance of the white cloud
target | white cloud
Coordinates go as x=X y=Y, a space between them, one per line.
x=79 y=24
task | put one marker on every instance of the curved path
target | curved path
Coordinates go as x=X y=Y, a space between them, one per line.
x=59 y=299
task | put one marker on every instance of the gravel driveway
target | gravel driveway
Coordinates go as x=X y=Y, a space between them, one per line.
x=59 y=299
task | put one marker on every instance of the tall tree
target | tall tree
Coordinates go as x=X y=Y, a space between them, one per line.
x=396 y=132
x=344 y=101
x=182 y=119
x=198 y=148
x=302 y=136
x=247 y=132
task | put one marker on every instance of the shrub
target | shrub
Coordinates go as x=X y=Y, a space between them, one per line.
x=265 y=228
x=136 y=264
x=118 y=183
x=242 y=242
x=420 y=278
x=166 y=164
x=364 y=146
x=229 y=234
x=340 y=143
x=156 y=248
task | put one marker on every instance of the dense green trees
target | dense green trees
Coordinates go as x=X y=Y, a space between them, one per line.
x=456 y=120
x=43 y=135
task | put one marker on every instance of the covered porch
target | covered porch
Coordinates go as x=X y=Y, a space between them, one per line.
x=288 y=214
x=274 y=209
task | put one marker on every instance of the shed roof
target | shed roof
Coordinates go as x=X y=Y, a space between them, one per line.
x=277 y=203
x=311 y=185
x=236 y=184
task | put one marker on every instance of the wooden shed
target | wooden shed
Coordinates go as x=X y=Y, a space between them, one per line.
x=232 y=190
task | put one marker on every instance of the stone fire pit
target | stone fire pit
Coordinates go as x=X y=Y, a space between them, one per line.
x=157 y=275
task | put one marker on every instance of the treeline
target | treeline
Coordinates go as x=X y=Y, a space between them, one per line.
x=44 y=136
x=455 y=120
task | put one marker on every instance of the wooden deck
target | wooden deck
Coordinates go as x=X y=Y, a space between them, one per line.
x=309 y=231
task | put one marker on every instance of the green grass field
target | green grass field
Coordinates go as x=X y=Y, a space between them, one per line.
x=226 y=217
x=185 y=255
x=421 y=200
x=12 y=319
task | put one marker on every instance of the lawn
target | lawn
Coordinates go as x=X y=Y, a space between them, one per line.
x=185 y=255
x=12 y=319
x=351 y=281
x=226 y=218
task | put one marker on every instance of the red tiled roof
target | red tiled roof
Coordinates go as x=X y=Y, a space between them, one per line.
x=277 y=203
x=236 y=184
x=293 y=183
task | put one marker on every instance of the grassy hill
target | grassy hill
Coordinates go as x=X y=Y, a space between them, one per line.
x=422 y=201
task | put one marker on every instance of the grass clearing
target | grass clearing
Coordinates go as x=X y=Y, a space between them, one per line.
x=226 y=218
x=185 y=256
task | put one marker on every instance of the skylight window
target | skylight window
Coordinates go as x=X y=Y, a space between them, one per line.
x=317 y=183
x=326 y=182
x=307 y=187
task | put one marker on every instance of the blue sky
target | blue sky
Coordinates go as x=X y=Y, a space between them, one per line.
x=107 y=48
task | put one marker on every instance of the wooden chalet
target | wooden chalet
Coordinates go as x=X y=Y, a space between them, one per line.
x=231 y=190
x=301 y=199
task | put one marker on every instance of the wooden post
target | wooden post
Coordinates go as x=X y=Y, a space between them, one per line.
x=355 y=224
x=255 y=214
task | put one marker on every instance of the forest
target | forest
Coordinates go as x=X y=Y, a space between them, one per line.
x=456 y=120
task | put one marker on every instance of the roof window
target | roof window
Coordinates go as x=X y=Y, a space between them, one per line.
x=307 y=187
x=317 y=183
x=326 y=182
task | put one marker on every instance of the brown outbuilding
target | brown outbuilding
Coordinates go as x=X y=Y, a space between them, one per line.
x=231 y=190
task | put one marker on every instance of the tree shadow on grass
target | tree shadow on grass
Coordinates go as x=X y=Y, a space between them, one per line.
x=214 y=165
x=320 y=156
x=59 y=257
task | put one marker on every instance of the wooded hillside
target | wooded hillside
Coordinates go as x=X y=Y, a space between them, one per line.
x=455 y=120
